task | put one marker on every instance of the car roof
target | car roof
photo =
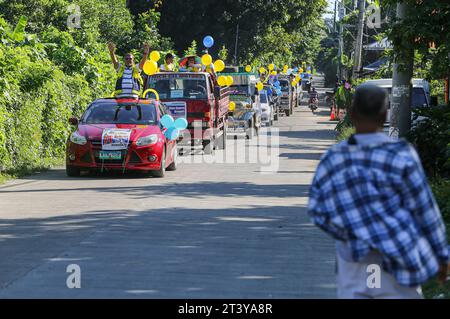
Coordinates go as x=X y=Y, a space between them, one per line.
x=126 y=100
x=187 y=73
x=387 y=83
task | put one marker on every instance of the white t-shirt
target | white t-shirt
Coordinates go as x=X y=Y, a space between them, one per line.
x=127 y=79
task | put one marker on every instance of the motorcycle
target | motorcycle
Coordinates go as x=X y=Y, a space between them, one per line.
x=313 y=104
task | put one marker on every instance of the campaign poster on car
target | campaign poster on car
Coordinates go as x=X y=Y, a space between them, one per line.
x=177 y=109
x=115 y=139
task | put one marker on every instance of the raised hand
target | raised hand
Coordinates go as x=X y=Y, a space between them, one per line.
x=111 y=47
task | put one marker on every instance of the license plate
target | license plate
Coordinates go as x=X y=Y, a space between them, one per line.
x=110 y=155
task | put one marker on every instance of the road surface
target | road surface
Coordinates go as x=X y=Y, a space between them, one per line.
x=205 y=231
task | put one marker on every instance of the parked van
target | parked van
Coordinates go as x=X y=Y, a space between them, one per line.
x=420 y=93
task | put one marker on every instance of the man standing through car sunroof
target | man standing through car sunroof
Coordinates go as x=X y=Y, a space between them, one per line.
x=371 y=194
x=129 y=81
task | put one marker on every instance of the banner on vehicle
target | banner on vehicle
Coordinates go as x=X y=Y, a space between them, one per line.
x=177 y=109
x=115 y=139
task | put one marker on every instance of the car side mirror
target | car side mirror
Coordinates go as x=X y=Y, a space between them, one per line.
x=73 y=121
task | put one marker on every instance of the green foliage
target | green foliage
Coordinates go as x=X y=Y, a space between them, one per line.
x=223 y=53
x=192 y=50
x=344 y=98
x=49 y=73
x=431 y=136
x=298 y=22
x=424 y=30
x=345 y=132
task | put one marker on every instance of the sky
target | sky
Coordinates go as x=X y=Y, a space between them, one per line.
x=330 y=8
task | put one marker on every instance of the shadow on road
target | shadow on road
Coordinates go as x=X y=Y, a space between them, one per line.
x=251 y=252
x=189 y=190
x=324 y=134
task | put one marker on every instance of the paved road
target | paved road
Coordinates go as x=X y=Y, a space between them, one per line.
x=205 y=231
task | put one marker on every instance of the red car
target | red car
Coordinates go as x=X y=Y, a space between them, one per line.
x=121 y=134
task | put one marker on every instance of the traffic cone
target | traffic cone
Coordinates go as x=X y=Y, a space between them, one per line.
x=333 y=115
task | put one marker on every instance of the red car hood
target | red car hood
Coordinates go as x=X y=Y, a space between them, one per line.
x=95 y=131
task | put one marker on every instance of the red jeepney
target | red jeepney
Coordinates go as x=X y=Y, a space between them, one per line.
x=197 y=97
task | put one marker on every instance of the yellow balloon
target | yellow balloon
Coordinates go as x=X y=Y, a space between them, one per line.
x=150 y=67
x=294 y=83
x=155 y=56
x=259 y=86
x=297 y=78
x=219 y=66
x=229 y=80
x=300 y=70
x=206 y=59
x=274 y=72
x=248 y=68
x=222 y=80
x=271 y=67
x=262 y=70
x=232 y=106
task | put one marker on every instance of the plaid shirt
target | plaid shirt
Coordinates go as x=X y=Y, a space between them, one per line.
x=376 y=197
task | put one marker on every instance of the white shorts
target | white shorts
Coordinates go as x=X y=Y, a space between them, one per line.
x=359 y=281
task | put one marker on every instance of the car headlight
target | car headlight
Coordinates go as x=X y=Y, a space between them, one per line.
x=147 y=140
x=78 y=139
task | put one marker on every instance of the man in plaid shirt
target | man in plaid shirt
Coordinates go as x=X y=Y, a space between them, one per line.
x=371 y=194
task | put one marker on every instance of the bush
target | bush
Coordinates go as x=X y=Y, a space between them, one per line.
x=431 y=137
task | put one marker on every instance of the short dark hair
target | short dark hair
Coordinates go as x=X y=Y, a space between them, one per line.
x=168 y=56
x=370 y=101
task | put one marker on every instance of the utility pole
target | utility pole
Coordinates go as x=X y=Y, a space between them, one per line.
x=341 y=40
x=335 y=13
x=236 y=45
x=359 y=39
x=400 y=117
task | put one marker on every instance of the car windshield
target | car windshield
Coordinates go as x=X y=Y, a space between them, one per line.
x=263 y=97
x=111 y=112
x=419 y=98
x=284 y=85
x=179 y=86
x=240 y=98
x=239 y=89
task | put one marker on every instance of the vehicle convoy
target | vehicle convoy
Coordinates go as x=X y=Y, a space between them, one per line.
x=196 y=97
x=120 y=134
x=245 y=118
x=288 y=96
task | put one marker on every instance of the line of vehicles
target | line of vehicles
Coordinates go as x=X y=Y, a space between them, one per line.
x=126 y=134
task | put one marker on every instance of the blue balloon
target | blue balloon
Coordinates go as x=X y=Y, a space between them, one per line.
x=181 y=123
x=167 y=121
x=296 y=70
x=172 y=133
x=208 y=41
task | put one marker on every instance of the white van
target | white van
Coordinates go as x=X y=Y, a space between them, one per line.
x=420 y=93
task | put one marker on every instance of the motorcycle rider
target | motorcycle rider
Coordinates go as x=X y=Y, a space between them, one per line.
x=313 y=97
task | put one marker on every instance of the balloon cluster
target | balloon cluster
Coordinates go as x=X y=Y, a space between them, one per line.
x=173 y=127
x=207 y=59
x=151 y=66
x=225 y=80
